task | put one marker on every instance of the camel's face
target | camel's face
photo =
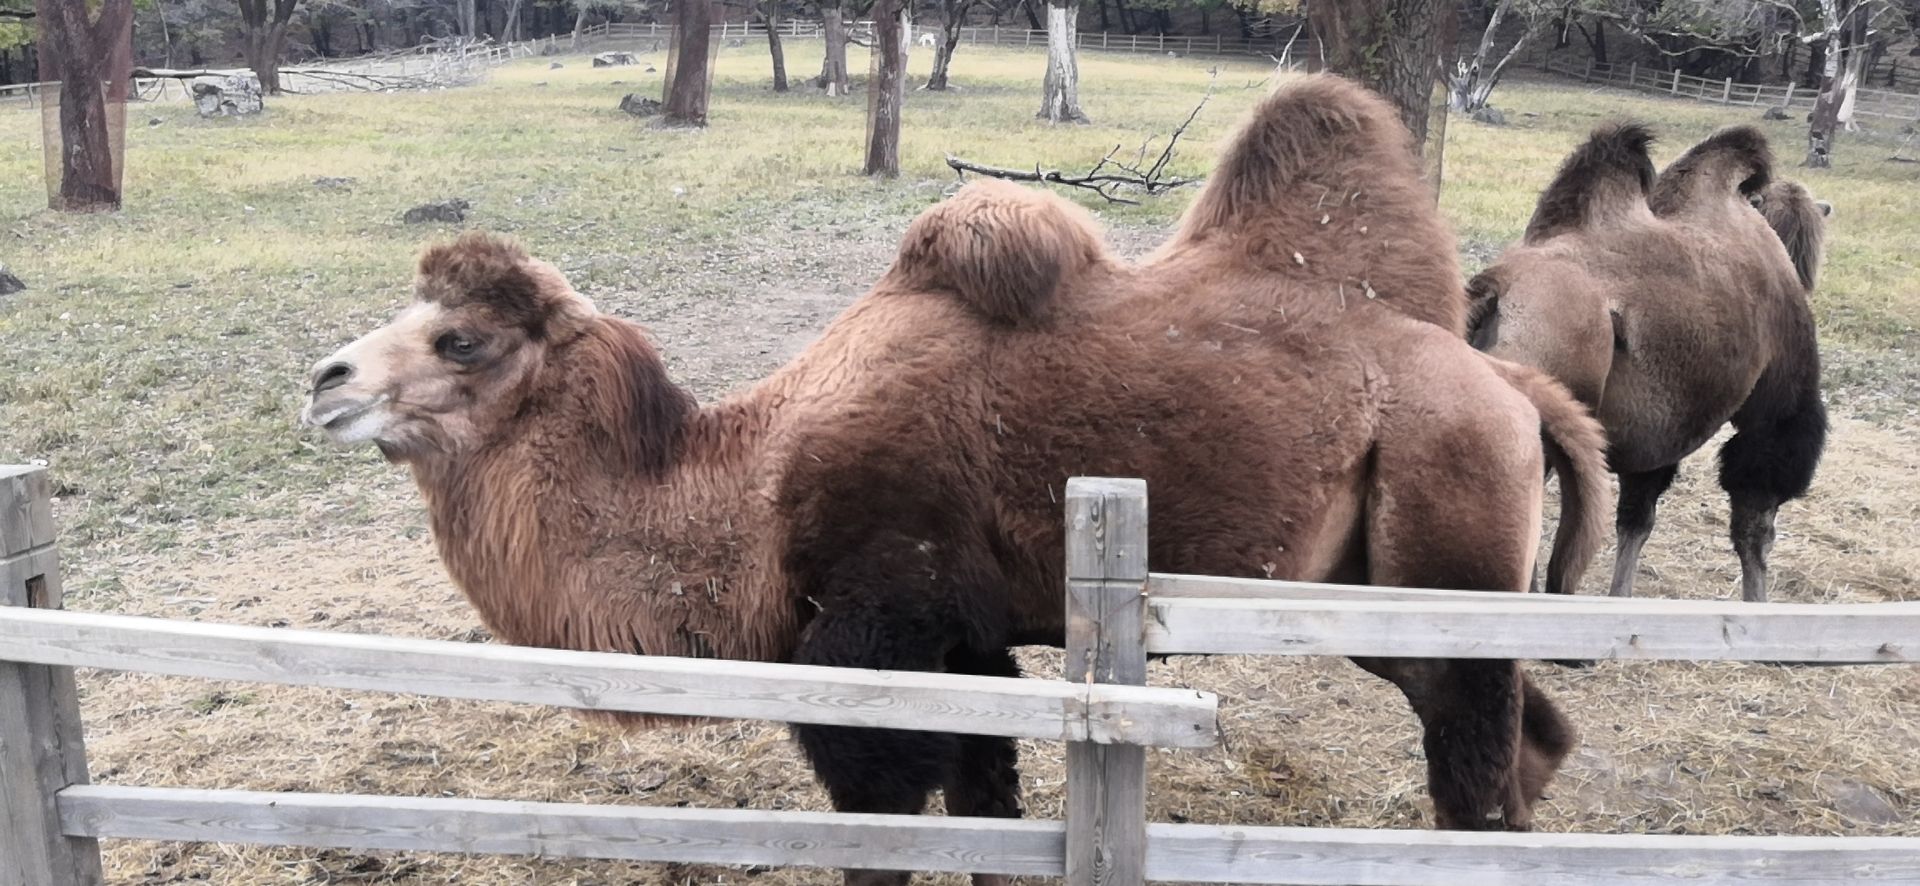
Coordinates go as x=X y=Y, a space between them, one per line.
x=452 y=368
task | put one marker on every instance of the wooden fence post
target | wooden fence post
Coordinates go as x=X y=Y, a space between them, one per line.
x=1787 y=102
x=40 y=737
x=1726 y=92
x=1587 y=75
x=1633 y=74
x=1676 y=82
x=1106 y=805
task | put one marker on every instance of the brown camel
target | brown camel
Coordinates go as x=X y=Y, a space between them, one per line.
x=1289 y=377
x=1669 y=306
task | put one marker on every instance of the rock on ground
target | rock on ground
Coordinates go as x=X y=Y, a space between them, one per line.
x=454 y=210
x=1774 y=113
x=9 y=284
x=227 y=95
x=333 y=182
x=1491 y=116
x=614 y=59
x=639 y=105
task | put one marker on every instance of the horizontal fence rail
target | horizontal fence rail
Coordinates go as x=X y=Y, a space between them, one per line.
x=1188 y=853
x=687 y=687
x=1527 y=627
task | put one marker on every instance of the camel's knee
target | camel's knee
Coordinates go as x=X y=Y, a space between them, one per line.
x=1472 y=722
x=1546 y=738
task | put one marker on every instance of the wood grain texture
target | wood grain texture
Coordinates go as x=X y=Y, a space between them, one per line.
x=41 y=746
x=1885 y=633
x=26 y=509
x=1166 y=586
x=1347 y=857
x=562 y=830
x=1020 y=708
x=1106 y=595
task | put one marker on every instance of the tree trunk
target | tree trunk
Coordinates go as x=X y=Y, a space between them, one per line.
x=689 y=63
x=1397 y=48
x=833 y=68
x=266 y=38
x=1472 y=82
x=1836 y=87
x=512 y=30
x=166 y=35
x=886 y=88
x=579 y=24
x=773 y=46
x=1060 y=98
x=1033 y=20
x=91 y=57
x=952 y=15
x=1105 y=24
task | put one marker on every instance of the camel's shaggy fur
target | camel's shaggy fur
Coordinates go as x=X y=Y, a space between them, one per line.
x=1670 y=306
x=1288 y=376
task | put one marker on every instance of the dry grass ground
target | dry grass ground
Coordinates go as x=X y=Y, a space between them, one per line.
x=158 y=361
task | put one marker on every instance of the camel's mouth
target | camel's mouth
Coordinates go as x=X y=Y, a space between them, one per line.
x=353 y=422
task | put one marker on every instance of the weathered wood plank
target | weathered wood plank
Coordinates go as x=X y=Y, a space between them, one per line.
x=1106 y=549
x=1775 y=632
x=1161 y=586
x=26 y=509
x=1019 y=708
x=41 y=748
x=630 y=833
x=1347 y=857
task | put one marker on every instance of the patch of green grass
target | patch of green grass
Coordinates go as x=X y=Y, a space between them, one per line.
x=159 y=358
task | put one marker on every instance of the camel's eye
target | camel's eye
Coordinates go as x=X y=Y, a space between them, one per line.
x=458 y=347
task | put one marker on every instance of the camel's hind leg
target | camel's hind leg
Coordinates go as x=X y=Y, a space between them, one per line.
x=1492 y=739
x=985 y=782
x=1639 y=498
x=1769 y=461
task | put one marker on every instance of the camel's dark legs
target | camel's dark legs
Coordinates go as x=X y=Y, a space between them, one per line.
x=1639 y=497
x=985 y=782
x=887 y=771
x=1768 y=463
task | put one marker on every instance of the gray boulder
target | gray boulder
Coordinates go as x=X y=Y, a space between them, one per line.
x=639 y=105
x=448 y=211
x=1491 y=116
x=227 y=95
x=614 y=59
x=10 y=284
x=1774 y=113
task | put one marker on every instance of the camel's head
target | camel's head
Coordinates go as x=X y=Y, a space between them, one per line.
x=459 y=362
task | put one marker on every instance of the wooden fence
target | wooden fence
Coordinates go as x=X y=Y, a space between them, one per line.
x=1117 y=613
x=1867 y=102
x=1296 y=52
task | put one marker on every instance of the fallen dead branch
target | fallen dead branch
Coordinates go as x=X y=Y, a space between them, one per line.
x=1109 y=175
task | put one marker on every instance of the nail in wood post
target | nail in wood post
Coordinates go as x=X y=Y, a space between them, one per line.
x=1106 y=643
x=40 y=739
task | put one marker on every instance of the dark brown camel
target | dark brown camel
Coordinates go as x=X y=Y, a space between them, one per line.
x=1289 y=377
x=1670 y=306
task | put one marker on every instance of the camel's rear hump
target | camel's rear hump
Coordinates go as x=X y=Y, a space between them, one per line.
x=1735 y=161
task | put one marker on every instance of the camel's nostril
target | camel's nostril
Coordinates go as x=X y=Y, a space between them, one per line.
x=331 y=376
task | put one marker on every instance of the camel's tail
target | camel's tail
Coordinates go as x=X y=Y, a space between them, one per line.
x=1608 y=175
x=1801 y=222
x=1004 y=250
x=1576 y=448
x=1734 y=161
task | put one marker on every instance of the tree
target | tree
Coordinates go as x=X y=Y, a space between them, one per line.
x=833 y=69
x=1844 y=33
x=1400 y=49
x=1060 y=96
x=953 y=14
x=266 y=38
x=689 y=77
x=772 y=15
x=1473 y=81
x=91 y=56
x=887 y=86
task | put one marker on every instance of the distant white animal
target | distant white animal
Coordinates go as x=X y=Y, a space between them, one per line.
x=925 y=40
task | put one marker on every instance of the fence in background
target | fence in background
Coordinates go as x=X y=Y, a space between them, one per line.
x=1867 y=102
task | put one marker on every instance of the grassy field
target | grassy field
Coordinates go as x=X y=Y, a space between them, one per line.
x=158 y=360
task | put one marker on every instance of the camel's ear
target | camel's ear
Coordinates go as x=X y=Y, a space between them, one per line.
x=1610 y=173
x=1003 y=249
x=1294 y=137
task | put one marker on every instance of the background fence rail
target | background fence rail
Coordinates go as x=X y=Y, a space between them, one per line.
x=1868 y=102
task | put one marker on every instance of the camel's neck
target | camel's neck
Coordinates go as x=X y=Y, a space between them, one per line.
x=568 y=534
